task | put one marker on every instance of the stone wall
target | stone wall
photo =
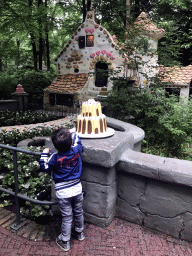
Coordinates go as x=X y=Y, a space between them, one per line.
x=11 y=105
x=155 y=192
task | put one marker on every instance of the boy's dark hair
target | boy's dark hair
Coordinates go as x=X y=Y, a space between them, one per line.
x=62 y=140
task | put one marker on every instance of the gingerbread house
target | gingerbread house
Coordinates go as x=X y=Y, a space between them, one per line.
x=84 y=66
x=92 y=56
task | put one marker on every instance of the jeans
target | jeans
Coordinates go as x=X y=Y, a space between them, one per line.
x=71 y=208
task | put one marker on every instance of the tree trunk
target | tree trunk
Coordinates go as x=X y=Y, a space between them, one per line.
x=1 y=64
x=137 y=8
x=88 y=5
x=34 y=52
x=30 y=2
x=40 y=39
x=17 y=61
x=47 y=40
x=128 y=5
x=84 y=10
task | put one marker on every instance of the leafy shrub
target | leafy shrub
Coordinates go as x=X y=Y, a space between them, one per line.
x=177 y=128
x=166 y=122
x=9 y=118
x=34 y=82
x=8 y=83
x=32 y=182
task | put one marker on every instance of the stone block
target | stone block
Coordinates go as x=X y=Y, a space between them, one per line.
x=102 y=222
x=187 y=227
x=128 y=212
x=130 y=188
x=170 y=226
x=134 y=162
x=24 y=143
x=99 y=200
x=98 y=174
x=166 y=200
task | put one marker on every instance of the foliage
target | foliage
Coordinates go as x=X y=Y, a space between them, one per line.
x=112 y=15
x=177 y=127
x=9 y=118
x=32 y=182
x=34 y=82
x=166 y=122
x=8 y=83
x=28 y=29
x=34 y=32
x=175 y=17
x=14 y=136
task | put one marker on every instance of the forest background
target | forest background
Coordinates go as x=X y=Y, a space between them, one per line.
x=34 y=31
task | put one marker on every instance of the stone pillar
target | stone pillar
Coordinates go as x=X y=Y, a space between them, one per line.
x=100 y=187
x=21 y=96
x=184 y=93
x=99 y=158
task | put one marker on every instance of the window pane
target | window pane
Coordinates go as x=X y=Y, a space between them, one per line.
x=81 y=42
x=52 y=99
x=64 y=99
x=90 y=41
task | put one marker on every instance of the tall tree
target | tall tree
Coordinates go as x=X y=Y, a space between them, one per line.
x=176 y=18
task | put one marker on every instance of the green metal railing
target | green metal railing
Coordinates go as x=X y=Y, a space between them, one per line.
x=16 y=193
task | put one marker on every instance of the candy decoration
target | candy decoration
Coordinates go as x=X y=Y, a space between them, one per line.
x=103 y=52
x=92 y=55
x=89 y=30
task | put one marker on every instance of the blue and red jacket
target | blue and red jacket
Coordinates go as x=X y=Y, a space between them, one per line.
x=66 y=166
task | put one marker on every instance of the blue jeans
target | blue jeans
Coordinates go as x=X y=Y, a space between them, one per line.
x=71 y=208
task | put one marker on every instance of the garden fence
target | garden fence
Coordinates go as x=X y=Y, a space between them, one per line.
x=16 y=193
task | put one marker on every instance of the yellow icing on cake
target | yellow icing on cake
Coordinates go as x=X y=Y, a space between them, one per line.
x=91 y=120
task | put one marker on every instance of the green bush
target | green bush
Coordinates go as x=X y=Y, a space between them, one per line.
x=34 y=82
x=9 y=118
x=8 y=84
x=32 y=182
x=166 y=122
x=177 y=128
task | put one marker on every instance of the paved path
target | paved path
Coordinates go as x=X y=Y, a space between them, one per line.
x=121 y=238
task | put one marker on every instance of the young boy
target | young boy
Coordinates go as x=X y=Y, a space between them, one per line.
x=66 y=168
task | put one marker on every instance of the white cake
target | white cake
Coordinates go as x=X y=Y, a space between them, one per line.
x=91 y=120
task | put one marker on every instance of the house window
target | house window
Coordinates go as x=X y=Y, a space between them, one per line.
x=52 y=99
x=173 y=91
x=101 y=74
x=90 y=41
x=61 y=99
x=81 y=42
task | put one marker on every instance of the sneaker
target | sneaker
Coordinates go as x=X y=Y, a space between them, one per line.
x=79 y=235
x=64 y=245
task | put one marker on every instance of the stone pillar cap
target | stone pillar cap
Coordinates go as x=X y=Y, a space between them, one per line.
x=19 y=89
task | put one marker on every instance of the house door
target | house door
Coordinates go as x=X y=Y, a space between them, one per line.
x=101 y=78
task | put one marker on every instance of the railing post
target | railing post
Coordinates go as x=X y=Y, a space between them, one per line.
x=16 y=187
x=18 y=223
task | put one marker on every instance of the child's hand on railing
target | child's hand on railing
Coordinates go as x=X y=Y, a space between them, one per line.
x=46 y=150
